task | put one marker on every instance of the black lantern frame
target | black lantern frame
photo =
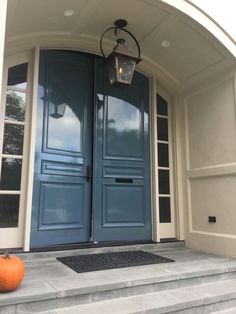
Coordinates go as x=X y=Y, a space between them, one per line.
x=120 y=63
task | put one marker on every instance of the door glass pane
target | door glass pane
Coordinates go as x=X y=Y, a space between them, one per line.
x=123 y=128
x=164 y=208
x=10 y=174
x=163 y=155
x=162 y=129
x=9 y=210
x=162 y=107
x=13 y=139
x=15 y=105
x=17 y=76
x=164 y=185
x=67 y=99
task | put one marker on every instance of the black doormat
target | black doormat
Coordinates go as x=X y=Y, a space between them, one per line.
x=102 y=261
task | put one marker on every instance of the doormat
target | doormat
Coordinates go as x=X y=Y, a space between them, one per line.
x=103 y=261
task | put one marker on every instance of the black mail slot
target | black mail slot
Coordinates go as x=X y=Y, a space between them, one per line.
x=124 y=180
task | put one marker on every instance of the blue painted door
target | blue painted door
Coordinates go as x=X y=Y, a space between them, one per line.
x=121 y=190
x=62 y=188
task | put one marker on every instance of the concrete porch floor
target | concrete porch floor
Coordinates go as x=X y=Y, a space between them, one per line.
x=50 y=285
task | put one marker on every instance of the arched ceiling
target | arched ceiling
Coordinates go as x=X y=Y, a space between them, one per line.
x=193 y=56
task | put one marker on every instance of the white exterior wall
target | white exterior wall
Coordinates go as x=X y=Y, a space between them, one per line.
x=210 y=180
x=3 y=13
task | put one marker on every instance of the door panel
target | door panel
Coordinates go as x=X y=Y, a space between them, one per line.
x=62 y=193
x=121 y=198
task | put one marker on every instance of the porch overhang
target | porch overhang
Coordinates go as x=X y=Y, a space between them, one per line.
x=194 y=54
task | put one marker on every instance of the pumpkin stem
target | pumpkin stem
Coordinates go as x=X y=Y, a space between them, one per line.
x=7 y=256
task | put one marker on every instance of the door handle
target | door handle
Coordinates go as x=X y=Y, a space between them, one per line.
x=88 y=174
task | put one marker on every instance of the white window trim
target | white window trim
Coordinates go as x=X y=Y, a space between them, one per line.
x=162 y=230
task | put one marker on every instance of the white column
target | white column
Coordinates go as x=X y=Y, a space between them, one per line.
x=3 y=14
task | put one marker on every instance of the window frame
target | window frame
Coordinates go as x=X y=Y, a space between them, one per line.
x=12 y=237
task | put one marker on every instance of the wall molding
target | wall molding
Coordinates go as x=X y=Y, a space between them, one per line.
x=212 y=171
x=221 y=235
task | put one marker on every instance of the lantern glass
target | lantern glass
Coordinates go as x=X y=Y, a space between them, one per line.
x=125 y=66
x=57 y=111
x=111 y=69
x=120 y=69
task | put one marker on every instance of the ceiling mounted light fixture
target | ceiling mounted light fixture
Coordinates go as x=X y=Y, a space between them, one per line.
x=165 y=43
x=69 y=13
x=121 y=62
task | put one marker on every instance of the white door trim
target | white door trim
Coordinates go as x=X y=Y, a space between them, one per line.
x=31 y=152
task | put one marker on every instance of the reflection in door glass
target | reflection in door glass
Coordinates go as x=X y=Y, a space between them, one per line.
x=124 y=134
x=15 y=105
x=13 y=139
x=66 y=96
x=64 y=129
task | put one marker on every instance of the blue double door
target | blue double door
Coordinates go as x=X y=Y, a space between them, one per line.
x=92 y=158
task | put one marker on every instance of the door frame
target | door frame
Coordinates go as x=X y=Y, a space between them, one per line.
x=34 y=55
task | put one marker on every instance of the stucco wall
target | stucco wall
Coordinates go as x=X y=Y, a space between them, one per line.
x=210 y=143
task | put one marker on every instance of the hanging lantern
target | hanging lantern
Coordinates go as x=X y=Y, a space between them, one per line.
x=121 y=62
x=57 y=111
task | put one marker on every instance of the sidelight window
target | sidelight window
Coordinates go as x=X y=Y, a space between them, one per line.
x=12 y=148
x=165 y=189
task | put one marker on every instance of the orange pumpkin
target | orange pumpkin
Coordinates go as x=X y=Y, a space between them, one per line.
x=12 y=271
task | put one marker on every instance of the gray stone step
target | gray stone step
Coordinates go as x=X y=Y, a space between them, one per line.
x=50 y=285
x=148 y=247
x=227 y=311
x=35 y=296
x=196 y=299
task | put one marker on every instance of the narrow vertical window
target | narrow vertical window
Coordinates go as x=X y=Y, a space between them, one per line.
x=163 y=160
x=11 y=155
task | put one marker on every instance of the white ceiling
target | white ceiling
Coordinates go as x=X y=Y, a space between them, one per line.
x=193 y=55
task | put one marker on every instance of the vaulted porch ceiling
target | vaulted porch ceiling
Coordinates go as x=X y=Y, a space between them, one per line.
x=193 y=55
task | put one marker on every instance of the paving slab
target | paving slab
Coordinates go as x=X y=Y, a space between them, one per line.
x=228 y=311
x=160 y=302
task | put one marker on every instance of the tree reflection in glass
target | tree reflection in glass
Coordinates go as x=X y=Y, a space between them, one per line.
x=15 y=106
x=13 y=139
